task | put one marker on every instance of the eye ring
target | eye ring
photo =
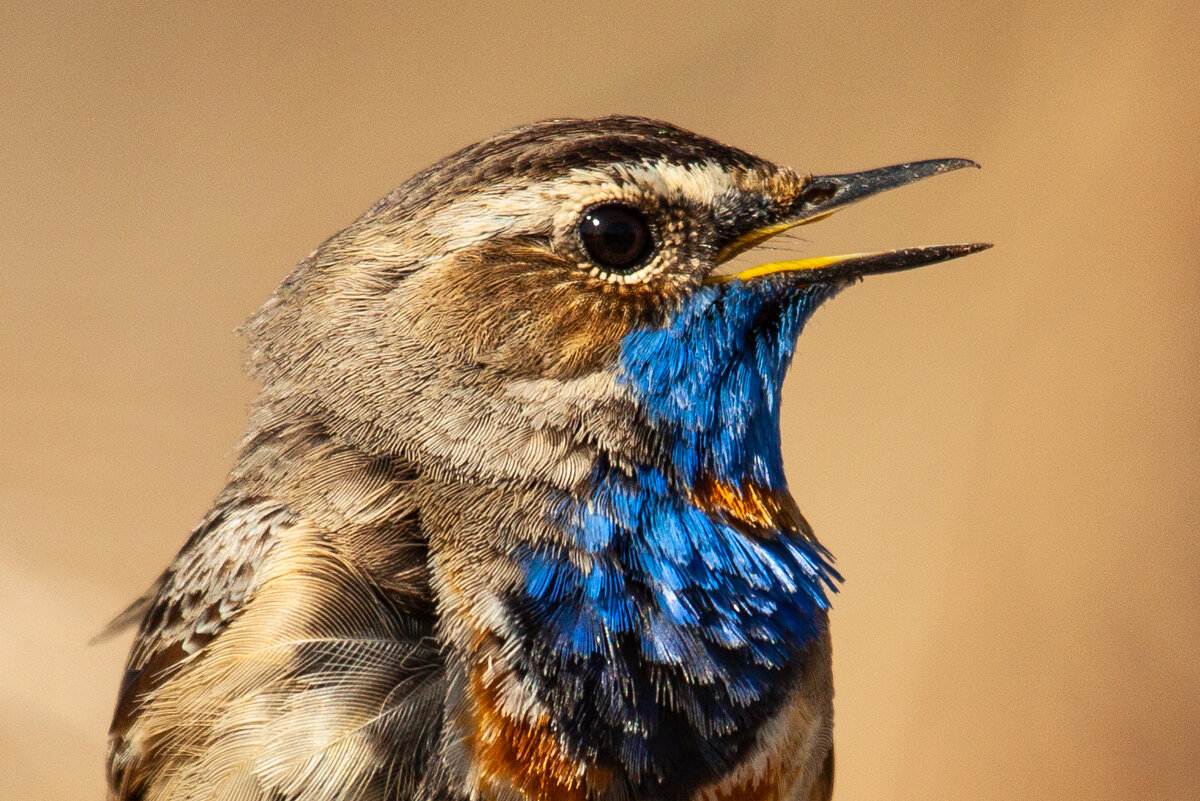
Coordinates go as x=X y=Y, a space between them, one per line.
x=616 y=237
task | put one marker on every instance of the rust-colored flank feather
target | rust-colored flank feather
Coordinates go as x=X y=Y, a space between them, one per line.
x=525 y=754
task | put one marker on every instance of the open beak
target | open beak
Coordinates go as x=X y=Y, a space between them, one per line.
x=822 y=195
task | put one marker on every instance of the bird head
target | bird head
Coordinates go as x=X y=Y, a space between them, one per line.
x=554 y=294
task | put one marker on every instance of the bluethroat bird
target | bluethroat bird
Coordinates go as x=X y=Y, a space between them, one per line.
x=511 y=522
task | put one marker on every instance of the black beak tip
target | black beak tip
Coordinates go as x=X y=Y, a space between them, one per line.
x=824 y=193
x=976 y=247
x=958 y=164
x=907 y=259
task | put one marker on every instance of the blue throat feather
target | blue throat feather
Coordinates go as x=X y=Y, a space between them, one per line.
x=665 y=631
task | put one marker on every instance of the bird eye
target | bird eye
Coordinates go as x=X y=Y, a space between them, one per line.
x=616 y=237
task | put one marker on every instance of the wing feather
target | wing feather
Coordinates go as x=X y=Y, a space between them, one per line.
x=271 y=664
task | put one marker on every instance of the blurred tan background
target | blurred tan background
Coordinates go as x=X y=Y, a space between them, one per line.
x=1004 y=452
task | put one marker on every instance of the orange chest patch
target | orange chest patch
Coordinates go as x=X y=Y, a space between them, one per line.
x=752 y=508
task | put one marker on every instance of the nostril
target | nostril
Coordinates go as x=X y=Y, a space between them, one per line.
x=818 y=192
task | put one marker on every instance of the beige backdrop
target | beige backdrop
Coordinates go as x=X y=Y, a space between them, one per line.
x=1004 y=452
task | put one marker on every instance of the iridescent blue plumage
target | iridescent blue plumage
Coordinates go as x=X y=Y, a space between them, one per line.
x=684 y=622
x=712 y=377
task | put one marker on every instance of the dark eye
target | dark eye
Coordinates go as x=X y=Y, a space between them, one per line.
x=616 y=237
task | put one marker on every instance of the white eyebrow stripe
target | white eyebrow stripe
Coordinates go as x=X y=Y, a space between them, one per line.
x=702 y=183
x=515 y=209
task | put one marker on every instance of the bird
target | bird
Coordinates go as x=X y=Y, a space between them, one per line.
x=510 y=521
